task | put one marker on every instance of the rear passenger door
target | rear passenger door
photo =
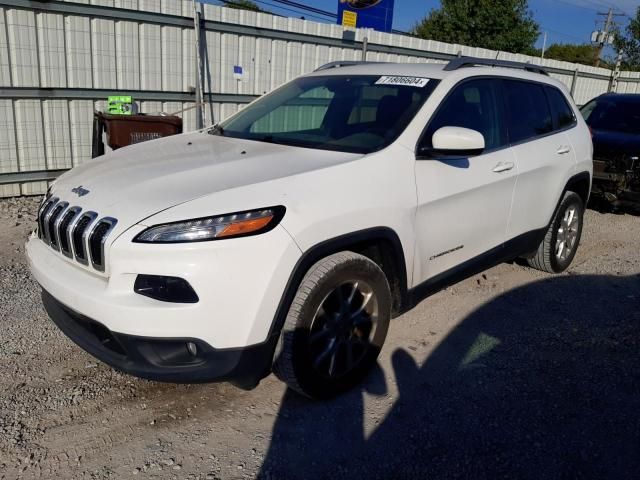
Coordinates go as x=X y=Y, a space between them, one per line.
x=542 y=149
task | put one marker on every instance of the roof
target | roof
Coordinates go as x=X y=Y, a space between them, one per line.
x=429 y=70
x=436 y=71
x=633 y=97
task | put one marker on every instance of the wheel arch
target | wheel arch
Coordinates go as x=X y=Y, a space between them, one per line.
x=580 y=184
x=380 y=244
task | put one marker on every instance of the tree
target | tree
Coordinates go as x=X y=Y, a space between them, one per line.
x=584 y=54
x=629 y=43
x=505 y=25
x=243 y=5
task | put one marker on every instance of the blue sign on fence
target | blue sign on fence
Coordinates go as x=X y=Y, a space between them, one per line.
x=376 y=14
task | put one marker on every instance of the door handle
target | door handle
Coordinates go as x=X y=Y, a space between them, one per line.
x=563 y=149
x=503 y=167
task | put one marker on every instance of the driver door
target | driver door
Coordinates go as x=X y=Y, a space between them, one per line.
x=464 y=202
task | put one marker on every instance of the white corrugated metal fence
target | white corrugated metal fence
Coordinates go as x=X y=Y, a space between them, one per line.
x=60 y=60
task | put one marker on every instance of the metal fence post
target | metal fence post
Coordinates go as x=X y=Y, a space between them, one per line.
x=574 y=82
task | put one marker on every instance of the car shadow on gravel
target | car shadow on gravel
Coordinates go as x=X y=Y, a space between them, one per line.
x=541 y=382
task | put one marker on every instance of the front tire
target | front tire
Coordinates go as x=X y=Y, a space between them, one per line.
x=336 y=326
x=556 y=252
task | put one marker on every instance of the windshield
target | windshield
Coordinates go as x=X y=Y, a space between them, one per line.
x=613 y=114
x=359 y=114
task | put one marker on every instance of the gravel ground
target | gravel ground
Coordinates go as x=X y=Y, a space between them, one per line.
x=511 y=373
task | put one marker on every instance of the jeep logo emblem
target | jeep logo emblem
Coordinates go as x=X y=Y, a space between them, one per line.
x=80 y=191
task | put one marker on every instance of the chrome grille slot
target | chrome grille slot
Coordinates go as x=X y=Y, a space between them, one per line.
x=76 y=234
x=79 y=236
x=52 y=223
x=97 y=238
x=64 y=230
x=44 y=211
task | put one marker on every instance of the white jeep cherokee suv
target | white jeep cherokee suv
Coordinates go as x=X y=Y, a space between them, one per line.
x=285 y=238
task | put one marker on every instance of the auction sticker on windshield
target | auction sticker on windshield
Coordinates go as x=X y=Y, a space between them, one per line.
x=407 y=81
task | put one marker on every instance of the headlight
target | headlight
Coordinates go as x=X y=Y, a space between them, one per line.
x=239 y=224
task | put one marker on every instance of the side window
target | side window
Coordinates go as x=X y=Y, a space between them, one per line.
x=562 y=113
x=475 y=105
x=527 y=110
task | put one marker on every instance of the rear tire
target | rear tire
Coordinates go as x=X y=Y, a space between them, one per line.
x=556 y=252
x=336 y=326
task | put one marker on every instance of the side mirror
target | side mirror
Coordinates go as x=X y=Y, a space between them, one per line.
x=455 y=141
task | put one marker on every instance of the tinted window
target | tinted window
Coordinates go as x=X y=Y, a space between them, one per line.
x=615 y=114
x=562 y=112
x=471 y=105
x=528 y=110
x=361 y=113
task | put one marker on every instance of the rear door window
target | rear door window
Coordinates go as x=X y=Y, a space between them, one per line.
x=563 y=116
x=528 y=112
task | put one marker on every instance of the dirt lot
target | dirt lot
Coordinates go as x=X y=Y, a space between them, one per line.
x=509 y=374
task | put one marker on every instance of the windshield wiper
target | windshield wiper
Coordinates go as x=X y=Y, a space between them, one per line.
x=216 y=130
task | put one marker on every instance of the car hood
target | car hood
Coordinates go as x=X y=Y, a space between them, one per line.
x=615 y=145
x=136 y=182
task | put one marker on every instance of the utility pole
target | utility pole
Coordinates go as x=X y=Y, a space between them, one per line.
x=199 y=86
x=605 y=36
x=544 y=44
x=616 y=73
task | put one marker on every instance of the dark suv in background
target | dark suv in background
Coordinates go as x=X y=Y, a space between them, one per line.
x=614 y=120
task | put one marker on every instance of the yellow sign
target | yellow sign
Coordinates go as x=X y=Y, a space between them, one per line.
x=349 y=19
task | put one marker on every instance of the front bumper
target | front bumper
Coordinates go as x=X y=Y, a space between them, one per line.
x=239 y=283
x=163 y=359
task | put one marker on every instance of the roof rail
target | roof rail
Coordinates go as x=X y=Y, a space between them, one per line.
x=341 y=63
x=462 y=62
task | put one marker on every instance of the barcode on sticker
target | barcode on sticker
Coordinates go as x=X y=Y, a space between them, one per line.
x=406 y=81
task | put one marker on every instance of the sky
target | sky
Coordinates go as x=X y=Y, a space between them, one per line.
x=565 y=21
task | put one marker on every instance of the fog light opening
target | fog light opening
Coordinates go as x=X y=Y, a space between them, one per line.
x=192 y=348
x=165 y=289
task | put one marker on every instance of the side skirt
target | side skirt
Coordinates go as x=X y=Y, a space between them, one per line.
x=521 y=245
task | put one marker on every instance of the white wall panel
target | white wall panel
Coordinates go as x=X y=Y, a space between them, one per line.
x=150 y=57
x=189 y=59
x=34 y=188
x=51 y=46
x=23 y=47
x=214 y=52
x=57 y=134
x=228 y=58
x=171 y=7
x=150 y=5
x=171 y=59
x=79 y=58
x=130 y=4
x=8 y=153
x=81 y=115
x=5 y=64
x=127 y=55
x=103 y=43
x=29 y=132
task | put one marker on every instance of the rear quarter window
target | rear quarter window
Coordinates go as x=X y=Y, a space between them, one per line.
x=563 y=116
x=528 y=113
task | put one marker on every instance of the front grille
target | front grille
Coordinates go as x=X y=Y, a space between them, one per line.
x=74 y=233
